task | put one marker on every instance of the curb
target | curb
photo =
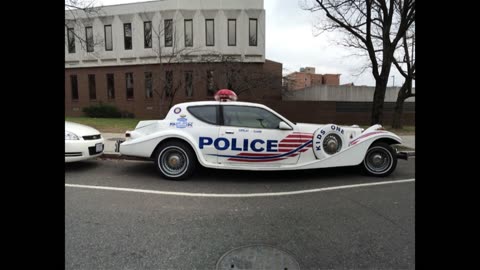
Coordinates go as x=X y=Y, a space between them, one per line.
x=120 y=157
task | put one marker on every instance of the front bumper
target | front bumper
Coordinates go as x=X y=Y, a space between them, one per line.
x=76 y=150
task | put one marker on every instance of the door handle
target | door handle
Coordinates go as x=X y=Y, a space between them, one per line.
x=229 y=131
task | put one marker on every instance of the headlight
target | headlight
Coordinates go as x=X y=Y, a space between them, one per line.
x=70 y=136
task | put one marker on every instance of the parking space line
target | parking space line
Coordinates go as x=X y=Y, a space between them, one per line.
x=244 y=195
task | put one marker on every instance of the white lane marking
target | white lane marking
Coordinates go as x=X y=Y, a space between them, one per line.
x=238 y=195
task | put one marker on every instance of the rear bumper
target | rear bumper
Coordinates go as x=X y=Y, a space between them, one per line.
x=405 y=155
x=117 y=145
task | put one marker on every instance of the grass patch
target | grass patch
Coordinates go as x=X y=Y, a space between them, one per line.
x=108 y=125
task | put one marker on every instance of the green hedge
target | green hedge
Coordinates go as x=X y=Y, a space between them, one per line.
x=105 y=111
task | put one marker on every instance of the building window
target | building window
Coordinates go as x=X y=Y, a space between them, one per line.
x=127 y=33
x=252 y=32
x=108 y=38
x=129 y=84
x=210 y=83
x=148 y=85
x=74 y=83
x=71 y=40
x=89 y=38
x=232 y=32
x=210 y=32
x=110 y=86
x=188 y=33
x=92 y=87
x=168 y=33
x=169 y=83
x=147 y=34
x=189 y=83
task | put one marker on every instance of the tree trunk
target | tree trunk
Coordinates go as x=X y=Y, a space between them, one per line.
x=398 y=112
x=378 y=99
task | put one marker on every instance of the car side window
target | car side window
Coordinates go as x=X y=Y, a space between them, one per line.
x=251 y=117
x=207 y=114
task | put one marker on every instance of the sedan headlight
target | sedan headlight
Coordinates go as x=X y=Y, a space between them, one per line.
x=70 y=136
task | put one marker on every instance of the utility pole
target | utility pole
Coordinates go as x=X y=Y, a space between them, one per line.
x=393 y=80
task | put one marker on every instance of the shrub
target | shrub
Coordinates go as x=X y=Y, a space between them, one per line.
x=127 y=114
x=102 y=111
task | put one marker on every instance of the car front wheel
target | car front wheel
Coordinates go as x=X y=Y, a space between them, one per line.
x=380 y=160
x=175 y=160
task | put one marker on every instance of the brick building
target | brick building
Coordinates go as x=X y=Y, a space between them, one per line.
x=307 y=78
x=143 y=57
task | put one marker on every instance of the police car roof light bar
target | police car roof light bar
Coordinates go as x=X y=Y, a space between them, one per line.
x=225 y=95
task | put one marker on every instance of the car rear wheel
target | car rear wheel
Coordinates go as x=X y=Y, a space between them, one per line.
x=175 y=160
x=380 y=160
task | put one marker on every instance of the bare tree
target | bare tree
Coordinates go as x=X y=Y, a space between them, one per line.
x=375 y=28
x=406 y=66
x=171 y=58
x=245 y=81
x=79 y=14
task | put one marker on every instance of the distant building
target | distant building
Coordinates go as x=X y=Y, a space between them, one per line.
x=307 y=78
x=142 y=57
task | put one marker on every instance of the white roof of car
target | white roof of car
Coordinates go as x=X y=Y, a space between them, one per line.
x=213 y=102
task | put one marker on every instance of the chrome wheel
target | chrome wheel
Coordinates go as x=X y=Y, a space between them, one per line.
x=378 y=160
x=173 y=161
x=332 y=143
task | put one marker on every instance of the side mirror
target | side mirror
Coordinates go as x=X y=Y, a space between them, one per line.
x=284 y=126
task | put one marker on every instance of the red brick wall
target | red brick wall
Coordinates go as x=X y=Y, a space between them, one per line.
x=316 y=79
x=254 y=81
x=332 y=79
x=301 y=80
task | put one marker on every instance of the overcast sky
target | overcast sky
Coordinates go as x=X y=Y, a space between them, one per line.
x=290 y=41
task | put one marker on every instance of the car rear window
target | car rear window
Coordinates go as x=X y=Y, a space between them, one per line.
x=207 y=113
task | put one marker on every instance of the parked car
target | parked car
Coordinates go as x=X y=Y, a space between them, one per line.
x=226 y=134
x=82 y=142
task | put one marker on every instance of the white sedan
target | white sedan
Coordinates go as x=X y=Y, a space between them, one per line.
x=226 y=134
x=82 y=142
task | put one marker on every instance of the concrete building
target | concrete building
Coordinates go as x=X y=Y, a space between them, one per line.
x=343 y=93
x=142 y=57
x=307 y=78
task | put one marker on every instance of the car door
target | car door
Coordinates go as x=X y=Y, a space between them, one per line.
x=205 y=128
x=250 y=136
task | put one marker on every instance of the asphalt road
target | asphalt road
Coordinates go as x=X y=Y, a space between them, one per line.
x=369 y=227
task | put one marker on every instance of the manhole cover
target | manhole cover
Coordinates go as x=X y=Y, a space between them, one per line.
x=257 y=257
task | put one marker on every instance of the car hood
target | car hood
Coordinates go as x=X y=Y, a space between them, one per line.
x=79 y=129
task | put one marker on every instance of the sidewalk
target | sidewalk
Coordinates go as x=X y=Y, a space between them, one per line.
x=110 y=139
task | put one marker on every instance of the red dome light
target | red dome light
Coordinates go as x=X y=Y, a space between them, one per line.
x=225 y=95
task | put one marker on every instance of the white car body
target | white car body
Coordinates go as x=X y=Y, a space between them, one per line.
x=88 y=143
x=253 y=148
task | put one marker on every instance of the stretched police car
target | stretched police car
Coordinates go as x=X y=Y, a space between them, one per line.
x=227 y=134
